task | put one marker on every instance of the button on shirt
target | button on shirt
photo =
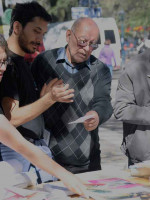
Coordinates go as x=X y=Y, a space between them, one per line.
x=62 y=57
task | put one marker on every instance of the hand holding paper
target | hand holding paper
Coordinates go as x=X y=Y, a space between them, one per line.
x=92 y=123
x=90 y=120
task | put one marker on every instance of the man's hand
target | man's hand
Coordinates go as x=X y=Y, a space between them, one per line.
x=58 y=91
x=91 y=124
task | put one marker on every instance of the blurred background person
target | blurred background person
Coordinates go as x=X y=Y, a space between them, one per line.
x=143 y=46
x=107 y=55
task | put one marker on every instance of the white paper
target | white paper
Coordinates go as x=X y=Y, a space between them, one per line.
x=10 y=175
x=57 y=191
x=17 y=193
x=20 y=191
x=81 y=119
x=140 y=165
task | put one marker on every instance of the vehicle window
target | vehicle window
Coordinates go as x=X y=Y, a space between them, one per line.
x=109 y=34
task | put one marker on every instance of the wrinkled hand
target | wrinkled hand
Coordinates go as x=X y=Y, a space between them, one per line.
x=58 y=91
x=91 y=124
x=74 y=184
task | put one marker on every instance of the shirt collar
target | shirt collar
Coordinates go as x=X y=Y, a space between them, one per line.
x=62 y=57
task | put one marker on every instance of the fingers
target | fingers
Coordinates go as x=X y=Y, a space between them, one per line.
x=47 y=87
x=62 y=93
x=83 y=191
x=90 y=128
x=59 y=92
x=90 y=121
x=79 y=189
x=66 y=98
x=91 y=124
x=75 y=184
x=52 y=82
x=55 y=83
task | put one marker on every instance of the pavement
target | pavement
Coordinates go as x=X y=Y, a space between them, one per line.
x=111 y=134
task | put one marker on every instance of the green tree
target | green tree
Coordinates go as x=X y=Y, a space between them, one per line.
x=61 y=9
x=136 y=11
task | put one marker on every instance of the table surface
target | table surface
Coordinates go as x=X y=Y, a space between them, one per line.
x=109 y=172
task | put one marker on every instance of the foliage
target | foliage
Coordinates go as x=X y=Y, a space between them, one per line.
x=136 y=11
x=61 y=9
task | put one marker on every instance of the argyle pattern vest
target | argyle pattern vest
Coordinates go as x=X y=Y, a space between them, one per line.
x=71 y=143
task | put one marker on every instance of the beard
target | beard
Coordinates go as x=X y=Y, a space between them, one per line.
x=23 y=43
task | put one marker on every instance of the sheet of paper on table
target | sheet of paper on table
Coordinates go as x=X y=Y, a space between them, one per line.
x=14 y=193
x=116 y=188
x=63 y=192
x=81 y=119
x=10 y=175
x=108 y=188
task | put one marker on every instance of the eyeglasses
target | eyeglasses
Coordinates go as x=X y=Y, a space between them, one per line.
x=4 y=62
x=84 y=43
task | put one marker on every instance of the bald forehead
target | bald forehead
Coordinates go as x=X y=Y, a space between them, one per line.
x=87 y=28
x=84 y=22
x=88 y=21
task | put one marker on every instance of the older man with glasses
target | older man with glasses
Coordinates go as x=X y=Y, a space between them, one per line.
x=76 y=146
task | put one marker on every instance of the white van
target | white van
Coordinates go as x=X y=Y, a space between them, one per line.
x=56 y=36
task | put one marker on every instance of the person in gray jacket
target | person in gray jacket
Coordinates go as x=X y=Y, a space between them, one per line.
x=132 y=107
